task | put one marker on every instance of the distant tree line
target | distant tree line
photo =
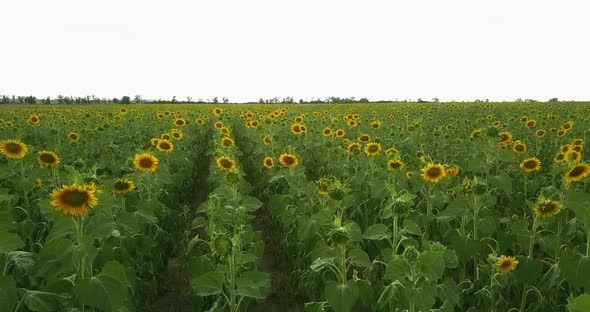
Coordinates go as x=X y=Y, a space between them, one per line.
x=125 y=100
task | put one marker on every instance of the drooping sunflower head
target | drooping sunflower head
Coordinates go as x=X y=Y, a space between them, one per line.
x=288 y=160
x=433 y=172
x=13 y=149
x=506 y=264
x=577 y=173
x=48 y=159
x=505 y=138
x=372 y=149
x=409 y=175
x=324 y=186
x=268 y=162
x=452 y=171
x=353 y=147
x=145 y=162
x=225 y=163
x=519 y=147
x=73 y=137
x=165 y=146
x=395 y=164
x=547 y=208
x=123 y=186
x=74 y=200
x=530 y=164
x=227 y=142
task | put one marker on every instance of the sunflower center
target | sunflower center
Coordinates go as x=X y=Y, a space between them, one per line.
x=373 y=148
x=122 y=186
x=146 y=163
x=577 y=171
x=288 y=160
x=13 y=148
x=226 y=163
x=530 y=164
x=165 y=145
x=505 y=264
x=75 y=198
x=47 y=158
x=434 y=172
x=519 y=148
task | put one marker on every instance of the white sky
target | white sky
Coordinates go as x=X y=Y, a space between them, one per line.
x=244 y=50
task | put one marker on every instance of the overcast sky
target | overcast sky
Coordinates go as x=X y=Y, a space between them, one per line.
x=244 y=50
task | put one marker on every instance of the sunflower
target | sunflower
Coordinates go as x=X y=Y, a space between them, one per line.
x=577 y=173
x=324 y=186
x=519 y=147
x=123 y=186
x=145 y=162
x=74 y=200
x=578 y=148
x=154 y=141
x=38 y=183
x=288 y=160
x=268 y=162
x=560 y=158
x=547 y=209
x=13 y=149
x=217 y=111
x=391 y=151
x=296 y=129
x=176 y=134
x=396 y=164
x=266 y=141
x=573 y=156
x=578 y=142
x=540 y=133
x=561 y=133
x=225 y=163
x=225 y=131
x=327 y=132
x=352 y=123
x=505 y=138
x=409 y=174
x=365 y=138
x=372 y=149
x=34 y=120
x=530 y=164
x=475 y=134
x=339 y=133
x=352 y=147
x=568 y=126
x=566 y=148
x=73 y=136
x=227 y=142
x=376 y=124
x=199 y=121
x=506 y=264
x=166 y=136
x=165 y=146
x=48 y=159
x=451 y=192
x=531 y=123
x=218 y=125
x=179 y=122
x=452 y=171
x=433 y=172
x=123 y=110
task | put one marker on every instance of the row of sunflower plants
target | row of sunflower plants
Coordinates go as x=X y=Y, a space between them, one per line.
x=224 y=255
x=92 y=230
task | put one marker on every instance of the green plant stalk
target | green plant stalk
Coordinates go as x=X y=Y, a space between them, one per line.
x=532 y=242
x=394 y=236
x=587 y=239
x=343 y=269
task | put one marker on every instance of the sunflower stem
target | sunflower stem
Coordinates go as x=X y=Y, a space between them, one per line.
x=523 y=299
x=587 y=239
x=532 y=242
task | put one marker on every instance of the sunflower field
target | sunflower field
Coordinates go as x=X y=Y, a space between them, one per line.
x=350 y=207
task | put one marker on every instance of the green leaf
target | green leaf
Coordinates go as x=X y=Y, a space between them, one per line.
x=7 y=292
x=251 y=203
x=575 y=268
x=528 y=270
x=10 y=242
x=431 y=265
x=424 y=296
x=106 y=291
x=578 y=202
x=42 y=301
x=387 y=295
x=411 y=227
x=253 y=284
x=456 y=209
x=210 y=283
x=376 y=232
x=396 y=267
x=341 y=297
x=359 y=258
x=579 y=304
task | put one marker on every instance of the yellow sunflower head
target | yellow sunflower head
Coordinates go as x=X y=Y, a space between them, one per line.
x=217 y=111
x=266 y=141
x=176 y=134
x=376 y=124
x=395 y=164
x=505 y=138
x=577 y=142
x=154 y=141
x=433 y=173
x=74 y=200
x=353 y=147
x=145 y=162
x=199 y=121
x=13 y=149
x=227 y=142
x=48 y=159
x=573 y=156
x=560 y=158
x=577 y=173
x=288 y=160
x=38 y=183
x=372 y=149
x=165 y=146
x=391 y=151
x=540 y=133
x=452 y=171
x=547 y=208
x=327 y=132
x=268 y=162
x=519 y=147
x=225 y=163
x=34 y=120
x=324 y=186
x=123 y=186
x=531 y=123
x=339 y=133
x=73 y=137
x=475 y=134
x=179 y=122
x=506 y=264
x=530 y=164
x=365 y=138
